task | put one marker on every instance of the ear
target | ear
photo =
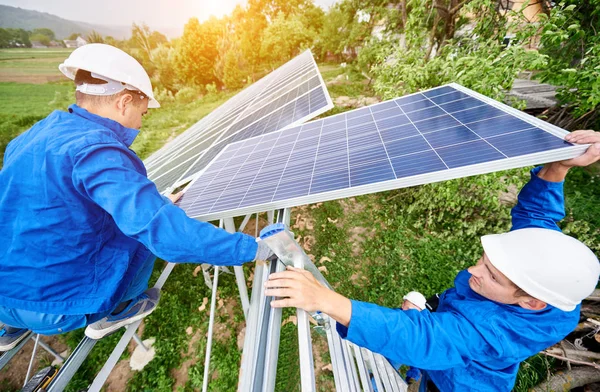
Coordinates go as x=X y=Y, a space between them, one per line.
x=531 y=303
x=123 y=101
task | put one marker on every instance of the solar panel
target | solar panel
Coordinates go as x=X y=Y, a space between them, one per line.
x=290 y=95
x=443 y=133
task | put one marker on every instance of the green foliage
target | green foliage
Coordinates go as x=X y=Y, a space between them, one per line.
x=374 y=53
x=165 y=74
x=187 y=94
x=571 y=41
x=197 y=51
x=44 y=31
x=94 y=37
x=285 y=38
x=533 y=371
x=231 y=67
x=484 y=65
x=41 y=38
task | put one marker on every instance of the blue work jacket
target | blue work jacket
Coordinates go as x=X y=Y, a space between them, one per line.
x=470 y=343
x=79 y=217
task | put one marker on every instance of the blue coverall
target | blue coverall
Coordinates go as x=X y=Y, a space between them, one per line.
x=470 y=343
x=80 y=220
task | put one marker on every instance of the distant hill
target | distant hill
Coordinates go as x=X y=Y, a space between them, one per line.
x=20 y=18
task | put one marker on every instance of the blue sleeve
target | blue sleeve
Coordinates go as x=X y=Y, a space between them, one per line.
x=111 y=178
x=433 y=341
x=541 y=204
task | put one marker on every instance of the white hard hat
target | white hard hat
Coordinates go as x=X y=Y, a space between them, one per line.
x=112 y=63
x=546 y=264
x=416 y=298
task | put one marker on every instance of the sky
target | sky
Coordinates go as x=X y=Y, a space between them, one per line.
x=155 y=13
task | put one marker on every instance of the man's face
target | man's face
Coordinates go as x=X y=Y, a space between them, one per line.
x=490 y=283
x=132 y=117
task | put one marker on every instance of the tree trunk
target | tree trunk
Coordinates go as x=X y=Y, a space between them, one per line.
x=567 y=380
x=404 y=12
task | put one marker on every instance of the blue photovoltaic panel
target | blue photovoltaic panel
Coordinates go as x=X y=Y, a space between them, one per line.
x=290 y=95
x=442 y=133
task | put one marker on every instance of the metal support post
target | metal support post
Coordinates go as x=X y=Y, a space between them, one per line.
x=32 y=359
x=139 y=342
x=125 y=339
x=362 y=369
x=50 y=351
x=253 y=330
x=213 y=302
x=273 y=339
x=350 y=368
x=72 y=364
x=337 y=360
x=239 y=271
x=370 y=359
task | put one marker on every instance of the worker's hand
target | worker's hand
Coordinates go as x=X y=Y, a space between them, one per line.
x=557 y=171
x=298 y=287
x=591 y=155
x=175 y=197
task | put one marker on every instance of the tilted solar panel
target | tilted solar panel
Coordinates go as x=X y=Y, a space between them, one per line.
x=290 y=95
x=443 y=133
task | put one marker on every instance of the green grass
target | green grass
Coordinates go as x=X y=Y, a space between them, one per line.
x=25 y=99
x=24 y=104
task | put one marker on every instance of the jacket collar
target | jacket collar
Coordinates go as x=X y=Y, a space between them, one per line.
x=126 y=135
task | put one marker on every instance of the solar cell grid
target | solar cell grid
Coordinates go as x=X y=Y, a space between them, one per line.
x=291 y=94
x=438 y=134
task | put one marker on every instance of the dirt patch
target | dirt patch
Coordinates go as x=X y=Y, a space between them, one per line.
x=225 y=309
x=119 y=377
x=351 y=206
x=250 y=228
x=181 y=374
x=24 y=78
x=358 y=102
x=13 y=375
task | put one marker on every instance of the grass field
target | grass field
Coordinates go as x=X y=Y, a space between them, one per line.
x=373 y=248
x=31 y=65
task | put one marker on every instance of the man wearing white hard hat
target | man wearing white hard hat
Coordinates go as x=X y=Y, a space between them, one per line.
x=81 y=223
x=522 y=296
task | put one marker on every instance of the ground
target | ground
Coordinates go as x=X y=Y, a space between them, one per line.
x=372 y=248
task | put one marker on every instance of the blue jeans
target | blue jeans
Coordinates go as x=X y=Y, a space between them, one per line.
x=52 y=324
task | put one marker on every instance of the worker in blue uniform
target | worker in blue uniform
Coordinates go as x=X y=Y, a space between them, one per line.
x=522 y=296
x=81 y=223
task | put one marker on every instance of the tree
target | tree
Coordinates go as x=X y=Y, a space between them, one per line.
x=231 y=67
x=73 y=36
x=146 y=39
x=41 y=38
x=197 y=52
x=44 y=31
x=285 y=38
x=5 y=38
x=570 y=40
x=163 y=59
x=20 y=37
x=248 y=25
